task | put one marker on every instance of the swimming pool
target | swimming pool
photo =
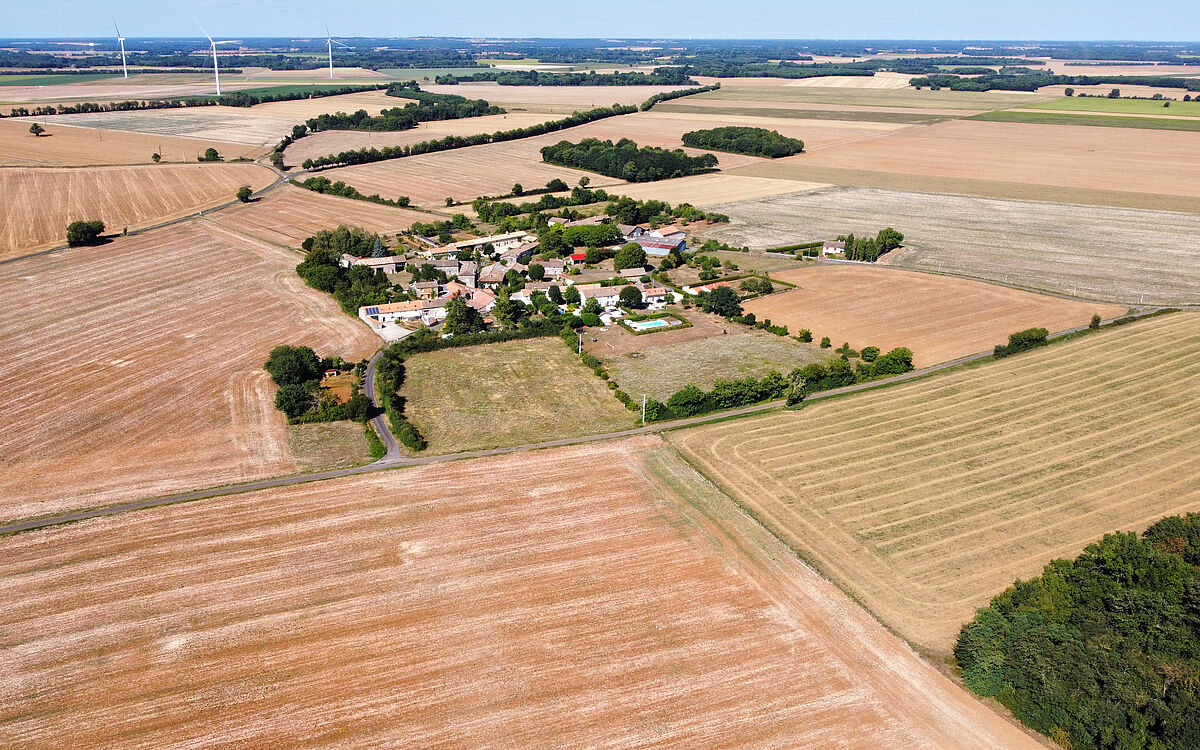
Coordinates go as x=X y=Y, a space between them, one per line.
x=646 y=325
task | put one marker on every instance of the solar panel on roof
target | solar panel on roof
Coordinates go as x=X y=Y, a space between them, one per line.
x=372 y=311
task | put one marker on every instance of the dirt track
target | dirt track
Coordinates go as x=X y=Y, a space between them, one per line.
x=587 y=604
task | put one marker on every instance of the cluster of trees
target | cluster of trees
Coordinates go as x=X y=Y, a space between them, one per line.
x=1009 y=81
x=742 y=140
x=691 y=400
x=427 y=108
x=210 y=154
x=369 y=155
x=389 y=377
x=231 y=99
x=352 y=287
x=870 y=248
x=658 y=77
x=1023 y=341
x=320 y=184
x=84 y=232
x=297 y=370
x=676 y=94
x=1102 y=651
x=496 y=211
x=625 y=160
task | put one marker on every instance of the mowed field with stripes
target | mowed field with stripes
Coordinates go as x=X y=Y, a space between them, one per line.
x=925 y=500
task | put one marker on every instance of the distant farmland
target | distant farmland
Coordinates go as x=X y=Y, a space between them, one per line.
x=599 y=596
x=1111 y=254
x=925 y=500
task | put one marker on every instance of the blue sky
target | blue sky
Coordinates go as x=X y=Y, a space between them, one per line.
x=1162 y=20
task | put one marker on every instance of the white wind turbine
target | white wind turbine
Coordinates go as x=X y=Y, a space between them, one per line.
x=121 y=40
x=216 y=70
x=329 y=42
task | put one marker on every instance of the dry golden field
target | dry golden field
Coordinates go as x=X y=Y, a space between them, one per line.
x=939 y=318
x=926 y=499
x=705 y=190
x=289 y=215
x=1097 y=252
x=136 y=368
x=551 y=98
x=511 y=393
x=602 y=596
x=1120 y=160
x=67 y=146
x=40 y=203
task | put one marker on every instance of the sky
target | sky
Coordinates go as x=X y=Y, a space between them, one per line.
x=1157 y=20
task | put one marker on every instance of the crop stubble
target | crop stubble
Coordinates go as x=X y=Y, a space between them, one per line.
x=926 y=499
x=598 y=596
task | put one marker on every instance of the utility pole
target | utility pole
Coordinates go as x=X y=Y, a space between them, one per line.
x=580 y=352
x=643 y=410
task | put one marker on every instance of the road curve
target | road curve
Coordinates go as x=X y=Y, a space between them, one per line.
x=380 y=419
x=395 y=460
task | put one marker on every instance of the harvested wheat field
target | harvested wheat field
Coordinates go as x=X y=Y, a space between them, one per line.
x=66 y=146
x=336 y=141
x=602 y=596
x=926 y=499
x=563 y=99
x=877 y=81
x=939 y=318
x=510 y=393
x=1160 y=162
x=706 y=190
x=289 y=215
x=1114 y=254
x=141 y=373
x=41 y=202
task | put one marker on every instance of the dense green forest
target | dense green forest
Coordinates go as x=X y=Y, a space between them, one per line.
x=742 y=140
x=658 y=77
x=1102 y=651
x=625 y=160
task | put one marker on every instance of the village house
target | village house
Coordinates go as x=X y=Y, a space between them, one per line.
x=383 y=318
x=555 y=267
x=425 y=289
x=574 y=258
x=387 y=264
x=499 y=242
x=492 y=275
x=608 y=297
x=655 y=297
x=633 y=274
x=661 y=247
x=449 y=252
x=466 y=272
x=525 y=294
x=833 y=247
x=695 y=290
x=631 y=231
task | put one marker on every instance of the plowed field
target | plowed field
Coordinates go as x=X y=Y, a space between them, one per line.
x=602 y=596
x=39 y=203
x=135 y=369
x=924 y=500
x=939 y=317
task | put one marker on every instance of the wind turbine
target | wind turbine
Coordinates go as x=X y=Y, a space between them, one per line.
x=121 y=39
x=329 y=42
x=216 y=70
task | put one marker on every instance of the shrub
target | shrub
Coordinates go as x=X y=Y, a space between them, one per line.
x=869 y=353
x=826 y=343
x=590 y=319
x=244 y=193
x=1022 y=341
x=84 y=232
x=804 y=336
x=688 y=401
x=1095 y=322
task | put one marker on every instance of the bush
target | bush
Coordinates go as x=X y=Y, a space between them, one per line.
x=826 y=343
x=244 y=193
x=590 y=319
x=84 y=232
x=804 y=336
x=869 y=353
x=688 y=401
x=1022 y=341
x=1095 y=322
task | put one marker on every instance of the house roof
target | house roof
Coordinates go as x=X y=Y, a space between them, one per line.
x=653 y=291
x=468 y=267
x=840 y=245
x=384 y=261
x=658 y=244
x=424 y=285
x=578 y=256
x=627 y=229
x=478 y=241
x=633 y=273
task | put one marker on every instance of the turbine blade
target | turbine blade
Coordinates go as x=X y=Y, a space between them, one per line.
x=347 y=46
x=118 y=28
x=327 y=35
x=197 y=20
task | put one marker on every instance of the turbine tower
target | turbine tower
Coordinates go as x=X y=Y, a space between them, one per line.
x=329 y=42
x=121 y=41
x=213 y=45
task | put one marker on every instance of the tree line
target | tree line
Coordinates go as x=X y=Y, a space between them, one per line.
x=1102 y=651
x=428 y=107
x=658 y=77
x=321 y=184
x=1037 y=79
x=625 y=160
x=677 y=94
x=369 y=155
x=743 y=140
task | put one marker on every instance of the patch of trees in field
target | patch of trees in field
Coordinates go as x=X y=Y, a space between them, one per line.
x=658 y=77
x=428 y=107
x=869 y=249
x=369 y=155
x=625 y=160
x=1102 y=651
x=298 y=371
x=352 y=287
x=85 y=233
x=389 y=377
x=743 y=140
x=1003 y=81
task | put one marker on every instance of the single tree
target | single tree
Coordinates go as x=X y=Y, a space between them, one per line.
x=210 y=154
x=460 y=317
x=632 y=255
x=377 y=249
x=1095 y=322
x=36 y=129
x=518 y=190
x=571 y=296
x=826 y=343
x=631 y=297
x=583 y=181
x=555 y=295
x=723 y=301
x=84 y=232
x=156 y=157
x=592 y=306
x=293 y=365
x=449 y=201
x=536 y=272
x=244 y=193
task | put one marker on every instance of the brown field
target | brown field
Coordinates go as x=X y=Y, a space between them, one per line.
x=1067 y=156
x=1112 y=254
x=72 y=146
x=327 y=445
x=552 y=98
x=288 y=215
x=41 y=202
x=136 y=367
x=336 y=141
x=926 y=499
x=877 y=81
x=705 y=190
x=783 y=90
x=511 y=393
x=602 y=596
x=939 y=318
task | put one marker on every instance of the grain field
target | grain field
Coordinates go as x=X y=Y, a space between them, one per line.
x=926 y=499
x=601 y=596
x=67 y=146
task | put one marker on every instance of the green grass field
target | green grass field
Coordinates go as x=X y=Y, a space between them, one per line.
x=1103 y=121
x=53 y=80
x=1122 y=106
x=511 y=393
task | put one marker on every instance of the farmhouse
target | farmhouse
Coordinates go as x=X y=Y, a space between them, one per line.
x=631 y=231
x=554 y=267
x=449 y=252
x=633 y=274
x=661 y=246
x=425 y=310
x=655 y=296
x=492 y=275
x=500 y=242
x=607 y=296
x=695 y=290
x=387 y=264
x=424 y=289
x=577 y=258
x=833 y=247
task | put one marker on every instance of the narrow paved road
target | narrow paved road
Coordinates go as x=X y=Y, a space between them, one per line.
x=380 y=421
x=394 y=459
